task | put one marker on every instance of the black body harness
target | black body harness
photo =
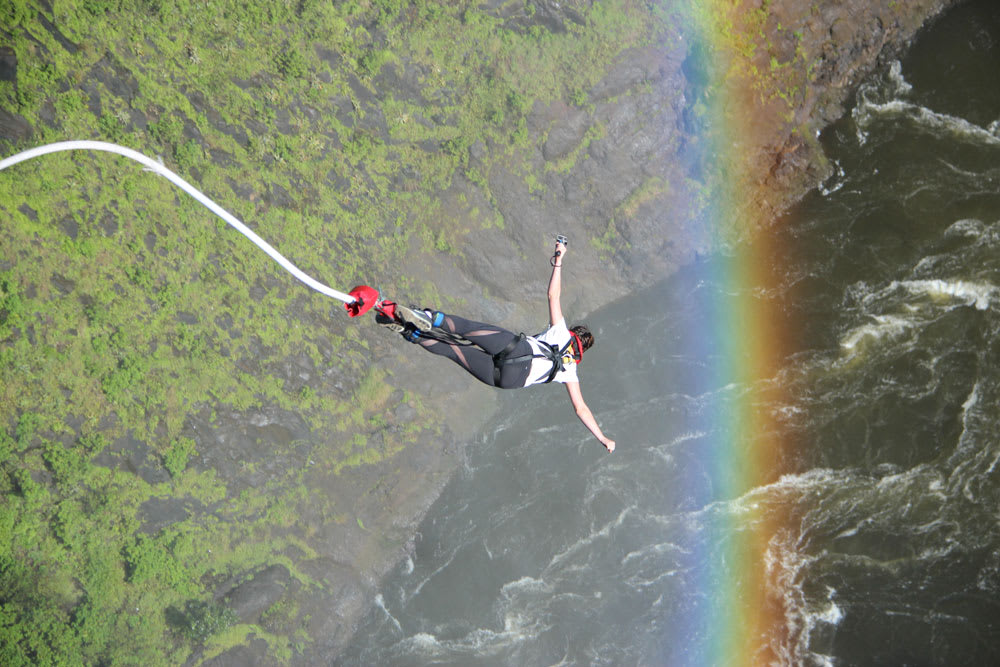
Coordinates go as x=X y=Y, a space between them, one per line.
x=550 y=352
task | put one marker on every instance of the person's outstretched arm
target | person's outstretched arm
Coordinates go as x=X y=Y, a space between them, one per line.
x=586 y=416
x=555 y=284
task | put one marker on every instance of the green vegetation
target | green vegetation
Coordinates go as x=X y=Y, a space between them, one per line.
x=200 y=620
x=128 y=313
x=763 y=68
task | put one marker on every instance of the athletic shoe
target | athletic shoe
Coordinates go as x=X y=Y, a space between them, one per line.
x=418 y=318
x=389 y=323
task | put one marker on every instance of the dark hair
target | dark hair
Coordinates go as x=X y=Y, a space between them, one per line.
x=586 y=338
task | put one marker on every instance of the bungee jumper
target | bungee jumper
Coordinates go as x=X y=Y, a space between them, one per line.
x=495 y=356
x=500 y=358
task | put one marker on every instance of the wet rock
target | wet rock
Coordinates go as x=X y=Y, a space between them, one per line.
x=241 y=190
x=220 y=157
x=47 y=113
x=254 y=596
x=346 y=602
x=240 y=446
x=138 y=120
x=224 y=322
x=298 y=370
x=332 y=58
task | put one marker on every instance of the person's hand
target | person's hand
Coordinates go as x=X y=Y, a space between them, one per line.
x=610 y=445
x=559 y=253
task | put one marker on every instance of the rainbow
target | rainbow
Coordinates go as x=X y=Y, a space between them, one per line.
x=740 y=616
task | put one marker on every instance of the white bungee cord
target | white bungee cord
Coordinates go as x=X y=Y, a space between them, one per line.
x=158 y=168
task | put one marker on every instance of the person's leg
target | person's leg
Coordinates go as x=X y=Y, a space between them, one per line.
x=490 y=337
x=477 y=359
x=469 y=357
x=411 y=321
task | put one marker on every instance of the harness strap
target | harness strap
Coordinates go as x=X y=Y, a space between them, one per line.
x=555 y=356
x=550 y=352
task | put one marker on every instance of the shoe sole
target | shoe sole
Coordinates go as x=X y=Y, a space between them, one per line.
x=391 y=325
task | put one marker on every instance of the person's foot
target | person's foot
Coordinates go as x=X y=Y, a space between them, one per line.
x=418 y=318
x=389 y=323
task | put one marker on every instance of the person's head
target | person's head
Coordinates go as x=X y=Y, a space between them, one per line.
x=584 y=336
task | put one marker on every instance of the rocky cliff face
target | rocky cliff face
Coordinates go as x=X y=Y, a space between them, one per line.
x=625 y=171
x=801 y=75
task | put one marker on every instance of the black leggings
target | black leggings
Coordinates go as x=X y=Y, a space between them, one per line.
x=478 y=358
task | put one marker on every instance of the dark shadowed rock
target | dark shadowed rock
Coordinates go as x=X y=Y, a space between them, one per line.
x=254 y=596
x=158 y=513
x=31 y=213
x=131 y=454
x=253 y=654
x=14 y=129
x=53 y=30
x=201 y=104
x=8 y=65
x=117 y=79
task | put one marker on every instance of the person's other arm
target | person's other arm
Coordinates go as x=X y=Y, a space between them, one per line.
x=586 y=416
x=555 y=285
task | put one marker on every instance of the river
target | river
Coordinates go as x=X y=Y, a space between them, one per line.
x=881 y=519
